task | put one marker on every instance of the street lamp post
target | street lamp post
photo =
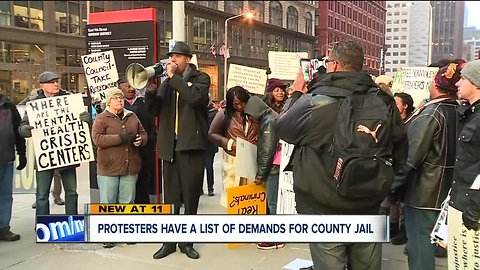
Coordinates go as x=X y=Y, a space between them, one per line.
x=226 y=52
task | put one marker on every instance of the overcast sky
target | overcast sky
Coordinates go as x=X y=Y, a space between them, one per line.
x=473 y=7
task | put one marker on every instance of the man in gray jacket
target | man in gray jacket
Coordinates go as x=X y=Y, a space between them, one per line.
x=11 y=141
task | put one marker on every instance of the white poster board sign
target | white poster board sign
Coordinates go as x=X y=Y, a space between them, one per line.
x=245 y=159
x=252 y=79
x=463 y=244
x=60 y=138
x=100 y=72
x=416 y=82
x=286 y=195
x=285 y=65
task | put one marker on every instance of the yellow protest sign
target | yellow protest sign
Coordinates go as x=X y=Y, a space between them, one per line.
x=246 y=200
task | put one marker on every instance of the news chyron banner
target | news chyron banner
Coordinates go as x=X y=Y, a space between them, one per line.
x=148 y=223
x=60 y=138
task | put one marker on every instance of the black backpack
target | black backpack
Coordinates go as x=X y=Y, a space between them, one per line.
x=362 y=146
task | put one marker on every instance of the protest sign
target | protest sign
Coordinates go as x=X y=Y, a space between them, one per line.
x=100 y=72
x=60 y=138
x=416 y=82
x=285 y=65
x=246 y=200
x=252 y=79
x=463 y=244
x=246 y=159
x=286 y=195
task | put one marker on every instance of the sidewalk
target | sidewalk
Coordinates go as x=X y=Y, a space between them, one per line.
x=26 y=254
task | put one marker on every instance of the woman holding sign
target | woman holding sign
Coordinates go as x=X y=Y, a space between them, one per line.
x=118 y=134
x=226 y=127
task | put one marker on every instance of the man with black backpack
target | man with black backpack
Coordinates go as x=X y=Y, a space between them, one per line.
x=348 y=137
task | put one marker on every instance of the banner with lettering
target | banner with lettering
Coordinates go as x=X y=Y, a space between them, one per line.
x=285 y=65
x=463 y=244
x=60 y=138
x=252 y=79
x=416 y=82
x=100 y=72
x=286 y=195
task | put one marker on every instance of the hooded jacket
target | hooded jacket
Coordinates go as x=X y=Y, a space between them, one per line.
x=309 y=124
x=267 y=139
x=11 y=140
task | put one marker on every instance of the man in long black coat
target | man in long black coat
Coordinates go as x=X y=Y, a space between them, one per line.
x=181 y=106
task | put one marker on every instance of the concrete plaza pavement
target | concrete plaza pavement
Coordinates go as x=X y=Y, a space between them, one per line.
x=26 y=254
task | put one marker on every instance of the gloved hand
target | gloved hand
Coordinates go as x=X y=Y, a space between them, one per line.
x=25 y=131
x=85 y=117
x=471 y=218
x=22 y=162
x=127 y=139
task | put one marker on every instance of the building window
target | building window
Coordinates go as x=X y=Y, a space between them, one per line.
x=258 y=9
x=5 y=13
x=67 y=17
x=234 y=7
x=164 y=30
x=275 y=43
x=276 y=13
x=209 y=4
x=256 y=41
x=205 y=34
x=292 y=18
x=28 y=14
x=308 y=24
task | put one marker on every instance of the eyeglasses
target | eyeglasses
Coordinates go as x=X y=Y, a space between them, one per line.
x=116 y=97
x=329 y=60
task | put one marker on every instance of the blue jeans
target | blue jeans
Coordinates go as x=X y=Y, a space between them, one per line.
x=272 y=193
x=117 y=189
x=419 y=224
x=6 y=190
x=69 y=181
x=335 y=256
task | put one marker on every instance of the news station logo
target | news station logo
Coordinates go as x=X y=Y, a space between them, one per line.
x=60 y=228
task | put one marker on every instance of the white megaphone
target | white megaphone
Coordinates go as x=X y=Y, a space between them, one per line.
x=138 y=76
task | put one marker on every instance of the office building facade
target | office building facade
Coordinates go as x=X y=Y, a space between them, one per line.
x=50 y=35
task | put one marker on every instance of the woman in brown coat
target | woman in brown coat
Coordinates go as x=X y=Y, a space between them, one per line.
x=228 y=125
x=118 y=134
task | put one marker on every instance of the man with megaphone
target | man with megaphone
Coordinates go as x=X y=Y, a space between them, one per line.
x=180 y=103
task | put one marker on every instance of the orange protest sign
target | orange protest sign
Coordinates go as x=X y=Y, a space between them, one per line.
x=246 y=200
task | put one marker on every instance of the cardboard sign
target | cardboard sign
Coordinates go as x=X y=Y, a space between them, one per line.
x=463 y=244
x=246 y=159
x=100 y=72
x=252 y=79
x=247 y=200
x=415 y=81
x=285 y=65
x=60 y=138
x=286 y=195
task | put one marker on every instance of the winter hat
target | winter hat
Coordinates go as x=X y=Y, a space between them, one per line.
x=110 y=93
x=384 y=79
x=449 y=75
x=47 y=76
x=274 y=82
x=471 y=71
